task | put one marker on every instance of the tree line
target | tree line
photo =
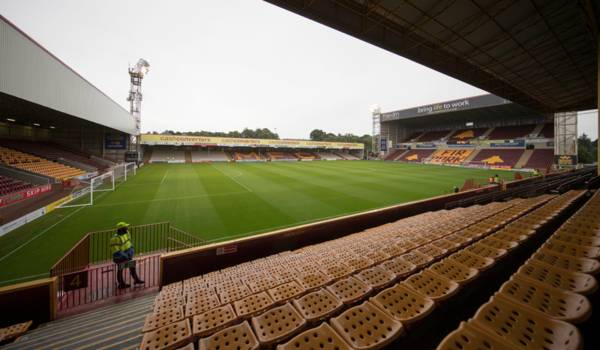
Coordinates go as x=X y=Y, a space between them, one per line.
x=320 y=135
x=258 y=133
x=587 y=150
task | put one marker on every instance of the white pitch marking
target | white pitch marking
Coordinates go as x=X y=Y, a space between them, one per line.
x=234 y=179
x=164 y=177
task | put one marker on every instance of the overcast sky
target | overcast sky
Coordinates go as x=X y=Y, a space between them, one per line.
x=229 y=64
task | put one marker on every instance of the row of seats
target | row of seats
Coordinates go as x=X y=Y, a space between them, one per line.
x=52 y=152
x=9 y=185
x=540 y=306
x=14 y=331
x=277 y=155
x=497 y=133
x=313 y=283
x=38 y=165
x=450 y=156
x=209 y=156
x=247 y=156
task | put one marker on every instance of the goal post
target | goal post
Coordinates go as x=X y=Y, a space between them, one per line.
x=124 y=171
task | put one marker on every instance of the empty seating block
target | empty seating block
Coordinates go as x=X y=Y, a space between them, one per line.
x=399 y=267
x=317 y=305
x=576 y=282
x=468 y=337
x=238 y=337
x=417 y=258
x=213 y=320
x=525 y=329
x=168 y=337
x=261 y=284
x=573 y=249
x=337 y=271
x=158 y=320
x=312 y=280
x=319 y=338
x=277 y=324
x=349 y=290
x=375 y=277
x=432 y=251
x=566 y=262
x=161 y=305
x=475 y=261
x=454 y=271
x=235 y=293
x=403 y=304
x=556 y=303
x=286 y=291
x=432 y=285
x=486 y=251
x=199 y=305
x=14 y=331
x=359 y=263
x=576 y=239
x=367 y=327
x=253 y=304
x=499 y=244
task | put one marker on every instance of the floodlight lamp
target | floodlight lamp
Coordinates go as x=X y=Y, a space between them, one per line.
x=469 y=124
x=11 y=120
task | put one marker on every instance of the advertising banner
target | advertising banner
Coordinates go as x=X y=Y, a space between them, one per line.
x=508 y=143
x=24 y=194
x=180 y=140
x=383 y=145
x=565 y=160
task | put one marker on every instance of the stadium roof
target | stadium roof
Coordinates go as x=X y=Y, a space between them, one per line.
x=31 y=74
x=540 y=54
x=476 y=108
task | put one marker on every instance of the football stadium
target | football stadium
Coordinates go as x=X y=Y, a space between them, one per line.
x=461 y=224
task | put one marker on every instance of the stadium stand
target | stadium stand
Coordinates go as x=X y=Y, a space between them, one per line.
x=433 y=136
x=364 y=276
x=417 y=155
x=414 y=136
x=306 y=156
x=498 y=157
x=56 y=153
x=160 y=155
x=247 y=156
x=346 y=156
x=38 y=165
x=547 y=131
x=395 y=154
x=9 y=185
x=511 y=132
x=209 y=156
x=280 y=156
x=542 y=305
x=467 y=134
x=329 y=156
x=541 y=159
x=450 y=156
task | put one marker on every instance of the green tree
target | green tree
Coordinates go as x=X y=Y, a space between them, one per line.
x=587 y=149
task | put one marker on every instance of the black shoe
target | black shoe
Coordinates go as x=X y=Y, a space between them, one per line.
x=124 y=286
x=139 y=282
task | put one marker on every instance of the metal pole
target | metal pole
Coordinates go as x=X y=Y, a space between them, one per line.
x=598 y=102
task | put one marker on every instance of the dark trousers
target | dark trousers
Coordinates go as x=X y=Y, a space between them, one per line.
x=132 y=271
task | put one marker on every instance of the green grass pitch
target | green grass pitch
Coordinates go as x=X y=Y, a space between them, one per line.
x=223 y=201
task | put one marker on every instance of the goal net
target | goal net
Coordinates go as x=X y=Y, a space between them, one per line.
x=124 y=171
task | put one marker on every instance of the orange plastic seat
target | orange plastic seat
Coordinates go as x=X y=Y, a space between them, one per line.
x=399 y=267
x=213 y=320
x=337 y=271
x=556 y=303
x=486 y=251
x=158 y=320
x=524 y=328
x=238 y=337
x=403 y=304
x=277 y=324
x=317 y=305
x=572 y=249
x=454 y=271
x=200 y=305
x=585 y=265
x=576 y=282
x=286 y=291
x=168 y=337
x=432 y=250
x=235 y=293
x=252 y=304
x=468 y=337
x=417 y=258
x=349 y=290
x=367 y=327
x=499 y=244
x=311 y=281
x=318 y=338
x=162 y=304
x=14 y=331
x=432 y=285
x=576 y=239
x=375 y=277
x=358 y=263
x=473 y=260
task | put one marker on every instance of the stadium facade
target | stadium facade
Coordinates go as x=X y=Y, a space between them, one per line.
x=485 y=131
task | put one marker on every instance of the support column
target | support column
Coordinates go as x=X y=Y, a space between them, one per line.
x=598 y=101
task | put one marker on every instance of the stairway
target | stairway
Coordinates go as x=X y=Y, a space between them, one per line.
x=524 y=158
x=471 y=156
x=486 y=133
x=537 y=130
x=188 y=156
x=400 y=155
x=117 y=326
